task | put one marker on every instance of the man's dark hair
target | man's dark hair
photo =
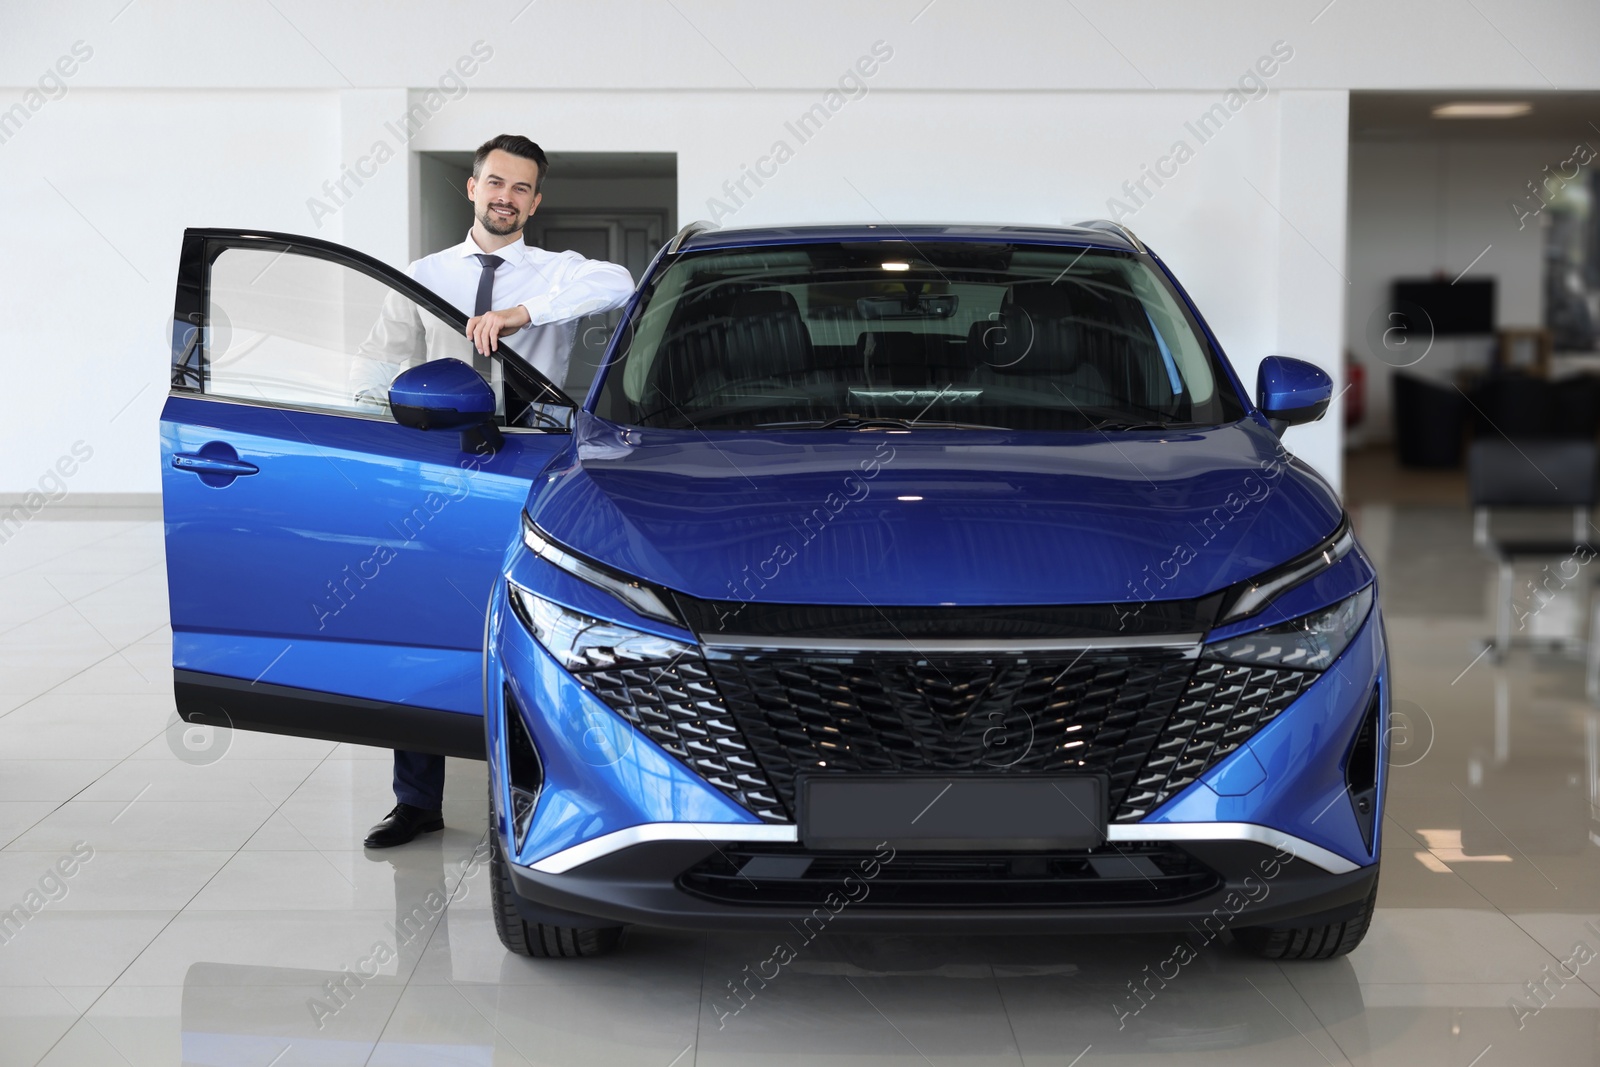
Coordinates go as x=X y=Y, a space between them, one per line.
x=516 y=145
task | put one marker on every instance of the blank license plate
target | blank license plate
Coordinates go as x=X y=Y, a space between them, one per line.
x=952 y=812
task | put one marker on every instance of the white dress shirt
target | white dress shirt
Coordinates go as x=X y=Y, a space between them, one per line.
x=555 y=288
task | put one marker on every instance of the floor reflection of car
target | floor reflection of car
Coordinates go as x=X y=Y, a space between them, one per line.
x=885 y=579
x=457 y=1013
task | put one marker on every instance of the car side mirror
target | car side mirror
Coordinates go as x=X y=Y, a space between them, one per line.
x=446 y=394
x=1292 y=391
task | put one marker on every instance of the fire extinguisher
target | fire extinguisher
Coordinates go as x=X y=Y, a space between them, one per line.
x=1355 y=393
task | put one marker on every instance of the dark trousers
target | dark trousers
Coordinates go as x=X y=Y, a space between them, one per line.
x=419 y=779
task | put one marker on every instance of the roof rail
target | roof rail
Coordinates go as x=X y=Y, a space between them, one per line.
x=698 y=226
x=1117 y=228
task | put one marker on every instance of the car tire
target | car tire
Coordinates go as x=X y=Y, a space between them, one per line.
x=1310 y=942
x=539 y=940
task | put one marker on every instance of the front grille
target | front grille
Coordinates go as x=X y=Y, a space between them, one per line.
x=1223 y=705
x=1062 y=712
x=674 y=703
x=750 y=723
x=789 y=876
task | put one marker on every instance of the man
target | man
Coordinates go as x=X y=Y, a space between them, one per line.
x=540 y=293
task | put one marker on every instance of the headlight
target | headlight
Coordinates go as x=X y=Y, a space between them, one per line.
x=1251 y=596
x=640 y=597
x=1310 y=642
x=579 y=641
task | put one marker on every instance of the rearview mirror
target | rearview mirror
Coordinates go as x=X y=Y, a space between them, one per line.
x=445 y=394
x=1292 y=391
x=910 y=306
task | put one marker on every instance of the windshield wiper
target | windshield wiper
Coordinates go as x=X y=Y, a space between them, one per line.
x=1120 y=424
x=873 y=422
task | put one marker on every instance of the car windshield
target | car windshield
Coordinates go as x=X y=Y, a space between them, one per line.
x=855 y=335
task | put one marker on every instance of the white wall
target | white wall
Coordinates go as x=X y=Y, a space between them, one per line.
x=1420 y=208
x=1312 y=289
x=203 y=114
x=445 y=213
x=729 y=44
x=94 y=194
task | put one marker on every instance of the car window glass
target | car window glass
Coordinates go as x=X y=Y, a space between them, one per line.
x=1180 y=345
x=588 y=340
x=312 y=333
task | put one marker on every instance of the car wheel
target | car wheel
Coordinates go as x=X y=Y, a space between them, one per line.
x=1309 y=942
x=539 y=940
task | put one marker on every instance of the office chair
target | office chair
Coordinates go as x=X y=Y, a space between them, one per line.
x=1536 y=474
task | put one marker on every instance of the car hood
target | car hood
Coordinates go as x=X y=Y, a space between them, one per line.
x=933 y=517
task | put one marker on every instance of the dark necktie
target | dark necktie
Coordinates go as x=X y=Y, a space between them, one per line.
x=486 y=284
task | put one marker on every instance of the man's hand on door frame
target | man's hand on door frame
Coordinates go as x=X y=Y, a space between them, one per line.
x=485 y=330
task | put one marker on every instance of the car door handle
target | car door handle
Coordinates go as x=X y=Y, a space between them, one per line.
x=201 y=463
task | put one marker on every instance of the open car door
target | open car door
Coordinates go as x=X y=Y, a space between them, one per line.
x=328 y=568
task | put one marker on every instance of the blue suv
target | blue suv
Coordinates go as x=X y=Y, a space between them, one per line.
x=916 y=578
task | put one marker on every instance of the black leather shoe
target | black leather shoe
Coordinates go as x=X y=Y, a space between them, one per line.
x=402 y=824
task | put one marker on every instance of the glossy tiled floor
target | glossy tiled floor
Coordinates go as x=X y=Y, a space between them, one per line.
x=225 y=902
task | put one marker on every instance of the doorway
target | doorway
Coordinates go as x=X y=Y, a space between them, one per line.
x=616 y=206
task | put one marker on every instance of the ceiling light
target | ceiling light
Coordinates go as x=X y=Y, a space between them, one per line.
x=1482 y=109
x=908 y=498
x=897 y=266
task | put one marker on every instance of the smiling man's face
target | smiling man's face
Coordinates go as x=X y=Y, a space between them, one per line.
x=503 y=194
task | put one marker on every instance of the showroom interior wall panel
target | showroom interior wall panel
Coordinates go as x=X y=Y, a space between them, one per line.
x=1312 y=277
x=95 y=191
x=647 y=44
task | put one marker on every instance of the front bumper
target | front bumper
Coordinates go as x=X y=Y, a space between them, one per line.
x=620 y=823
x=1249 y=884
